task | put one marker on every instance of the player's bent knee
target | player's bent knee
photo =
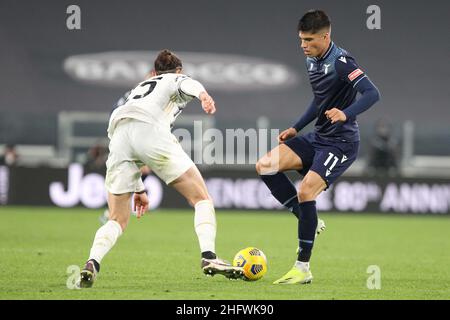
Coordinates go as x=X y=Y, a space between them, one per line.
x=197 y=197
x=258 y=166
x=306 y=193
x=263 y=166
x=304 y=196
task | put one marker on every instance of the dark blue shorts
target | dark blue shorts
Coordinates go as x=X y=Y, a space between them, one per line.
x=327 y=158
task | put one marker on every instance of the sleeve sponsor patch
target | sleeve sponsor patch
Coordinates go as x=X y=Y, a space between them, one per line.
x=355 y=74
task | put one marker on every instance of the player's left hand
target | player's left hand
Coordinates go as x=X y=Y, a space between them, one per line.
x=208 y=103
x=335 y=115
x=140 y=204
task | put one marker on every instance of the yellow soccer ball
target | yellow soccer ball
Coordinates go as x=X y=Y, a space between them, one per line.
x=253 y=261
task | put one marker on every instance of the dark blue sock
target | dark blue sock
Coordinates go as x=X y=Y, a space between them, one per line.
x=307 y=225
x=283 y=190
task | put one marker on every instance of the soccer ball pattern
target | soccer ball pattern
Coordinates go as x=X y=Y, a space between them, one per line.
x=253 y=261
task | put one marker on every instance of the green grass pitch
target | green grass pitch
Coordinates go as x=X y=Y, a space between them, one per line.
x=158 y=256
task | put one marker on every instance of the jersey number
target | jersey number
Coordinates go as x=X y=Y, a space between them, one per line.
x=330 y=156
x=150 y=89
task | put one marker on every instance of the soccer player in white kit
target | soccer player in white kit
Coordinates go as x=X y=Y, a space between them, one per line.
x=140 y=134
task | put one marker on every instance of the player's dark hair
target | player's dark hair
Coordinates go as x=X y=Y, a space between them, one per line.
x=167 y=62
x=313 y=21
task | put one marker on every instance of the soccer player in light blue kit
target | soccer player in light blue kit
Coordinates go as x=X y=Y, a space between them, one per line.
x=323 y=155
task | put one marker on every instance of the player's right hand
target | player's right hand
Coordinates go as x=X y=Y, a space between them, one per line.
x=140 y=204
x=286 y=135
x=208 y=104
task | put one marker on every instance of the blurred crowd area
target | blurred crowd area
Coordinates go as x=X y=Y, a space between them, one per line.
x=56 y=103
x=382 y=156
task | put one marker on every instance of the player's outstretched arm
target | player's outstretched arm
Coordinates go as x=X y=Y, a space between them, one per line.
x=194 y=88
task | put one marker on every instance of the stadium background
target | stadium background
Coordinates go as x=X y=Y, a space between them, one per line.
x=58 y=87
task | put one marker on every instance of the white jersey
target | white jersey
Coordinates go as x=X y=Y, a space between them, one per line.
x=157 y=100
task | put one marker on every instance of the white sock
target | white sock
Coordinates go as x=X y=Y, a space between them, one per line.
x=104 y=240
x=303 y=266
x=205 y=225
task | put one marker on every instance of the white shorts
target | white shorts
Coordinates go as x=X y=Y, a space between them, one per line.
x=134 y=144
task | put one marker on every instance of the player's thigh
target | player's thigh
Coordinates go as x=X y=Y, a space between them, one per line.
x=279 y=159
x=311 y=186
x=331 y=161
x=192 y=186
x=122 y=172
x=120 y=208
x=160 y=150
